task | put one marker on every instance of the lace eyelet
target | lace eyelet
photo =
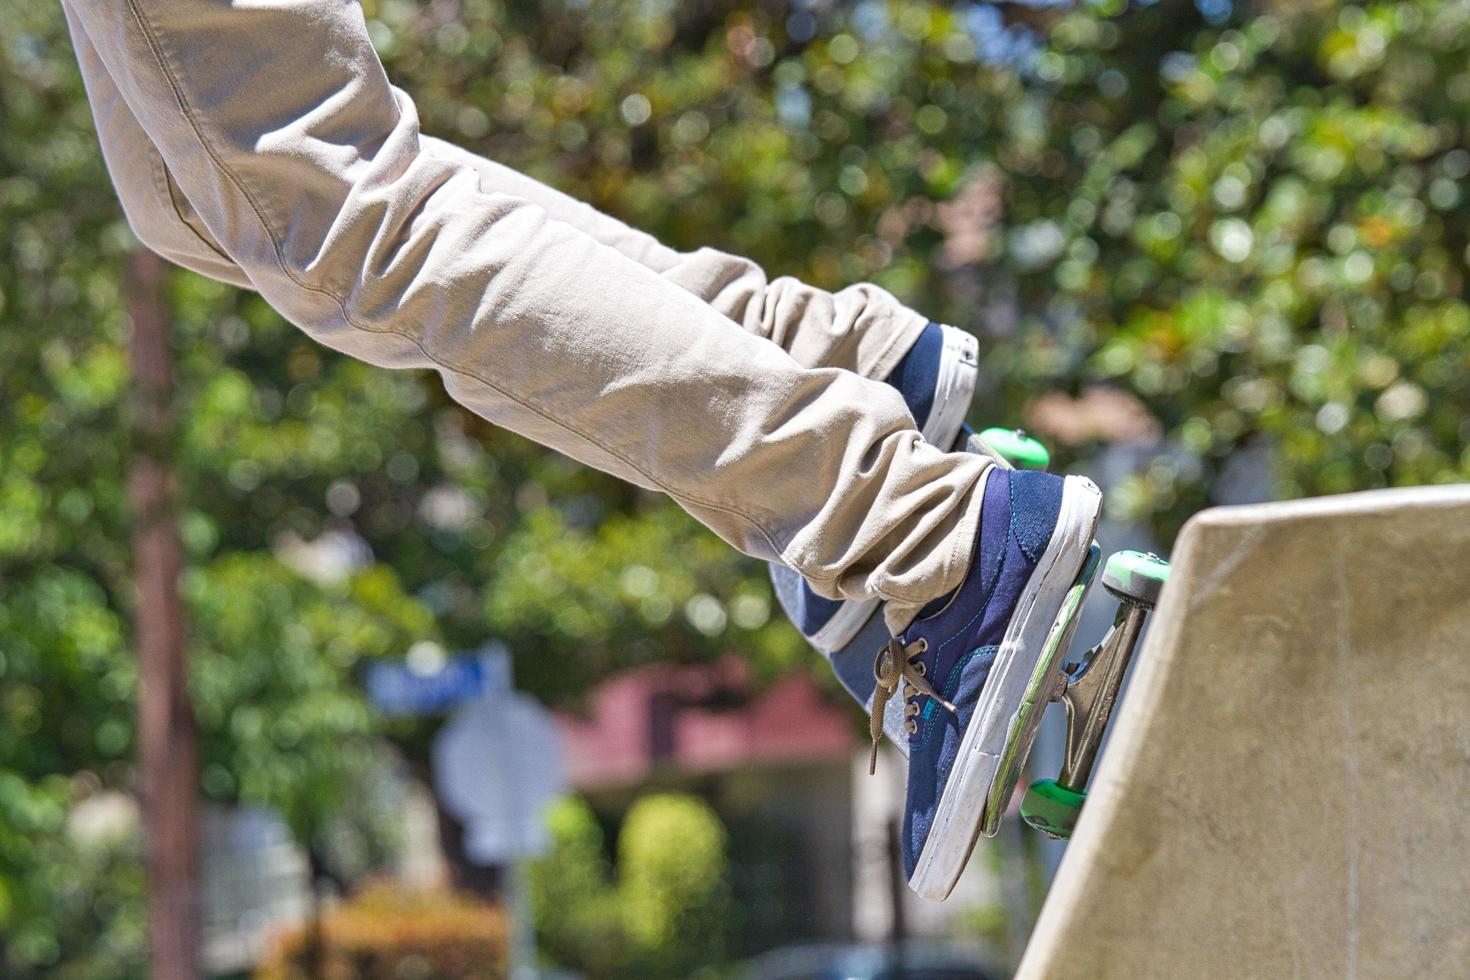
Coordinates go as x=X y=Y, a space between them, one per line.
x=911 y=709
x=911 y=726
x=921 y=668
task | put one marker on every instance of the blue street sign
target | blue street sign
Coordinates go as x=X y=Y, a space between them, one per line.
x=402 y=687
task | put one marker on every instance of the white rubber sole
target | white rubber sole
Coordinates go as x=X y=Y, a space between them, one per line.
x=959 y=366
x=959 y=815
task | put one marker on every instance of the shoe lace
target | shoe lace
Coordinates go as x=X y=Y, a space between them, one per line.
x=895 y=663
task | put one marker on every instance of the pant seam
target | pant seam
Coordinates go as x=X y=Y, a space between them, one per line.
x=164 y=186
x=285 y=269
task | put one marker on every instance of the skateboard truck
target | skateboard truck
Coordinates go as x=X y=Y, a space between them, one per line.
x=1089 y=690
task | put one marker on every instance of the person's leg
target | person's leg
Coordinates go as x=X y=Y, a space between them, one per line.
x=862 y=328
x=306 y=169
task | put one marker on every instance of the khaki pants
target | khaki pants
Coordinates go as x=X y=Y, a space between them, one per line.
x=259 y=142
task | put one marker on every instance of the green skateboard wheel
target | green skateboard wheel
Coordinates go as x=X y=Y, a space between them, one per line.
x=1136 y=576
x=1016 y=448
x=1051 y=808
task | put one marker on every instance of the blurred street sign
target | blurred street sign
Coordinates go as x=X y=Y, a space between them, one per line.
x=428 y=682
x=497 y=765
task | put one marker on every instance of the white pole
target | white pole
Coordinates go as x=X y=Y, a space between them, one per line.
x=521 y=937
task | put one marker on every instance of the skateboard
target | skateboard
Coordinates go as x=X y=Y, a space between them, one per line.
x=1088 y=688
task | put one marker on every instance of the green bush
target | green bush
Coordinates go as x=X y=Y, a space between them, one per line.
x=663 y=912
x=572 y=895
x=671 y=884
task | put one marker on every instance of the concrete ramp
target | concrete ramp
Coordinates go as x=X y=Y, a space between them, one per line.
x=1287 y=790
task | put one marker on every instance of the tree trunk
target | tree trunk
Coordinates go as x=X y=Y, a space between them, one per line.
x=166 y=733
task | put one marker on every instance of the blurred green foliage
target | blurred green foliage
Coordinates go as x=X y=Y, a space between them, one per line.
x=663 y=910
x=1250 y=217
x=1258 y=228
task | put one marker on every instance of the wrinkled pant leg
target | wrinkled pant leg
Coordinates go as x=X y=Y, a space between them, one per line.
x=862 y=328
x=307 y=169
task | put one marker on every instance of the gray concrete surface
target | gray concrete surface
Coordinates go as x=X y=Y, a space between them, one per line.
x=1287 y=789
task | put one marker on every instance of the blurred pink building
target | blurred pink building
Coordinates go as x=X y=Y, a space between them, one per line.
x=700 y=720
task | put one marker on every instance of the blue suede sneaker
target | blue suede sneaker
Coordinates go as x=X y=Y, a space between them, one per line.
x=937 y=380
x=970 y=660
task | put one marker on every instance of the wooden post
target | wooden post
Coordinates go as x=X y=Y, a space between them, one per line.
x=168 y=752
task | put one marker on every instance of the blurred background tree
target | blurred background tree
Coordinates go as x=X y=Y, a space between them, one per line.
x=1245 y=220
